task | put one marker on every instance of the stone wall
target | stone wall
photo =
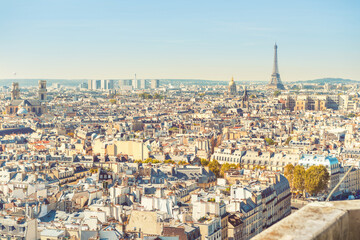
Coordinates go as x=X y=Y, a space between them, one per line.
x=320 y=221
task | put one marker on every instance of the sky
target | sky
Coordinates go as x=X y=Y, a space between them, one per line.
x=179 y=39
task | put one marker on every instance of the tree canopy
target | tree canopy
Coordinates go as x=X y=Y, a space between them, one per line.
x=313 y=180
x=289 y=174
x=215 y=167
x=204 y=162
x=288 y=140
x=316 y=179
x=226 y=167
x=269 y=141
x=146 y=95
x=277 y=93
x=299 y=178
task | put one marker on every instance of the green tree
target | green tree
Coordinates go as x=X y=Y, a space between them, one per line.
x=145 y=95
x=269 y=141
x=277 y=93
x=289 y=174
x=173 y=129
x=169 y=161
x=299 y=178
x=288 y=141
x=215 y=167
x=148 y=160
x=204 y=162
x=226 y=167
x=158 y=96
x=183 y=163
x=316 y=179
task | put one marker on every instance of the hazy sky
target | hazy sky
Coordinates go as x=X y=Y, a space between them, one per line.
x=179 y=39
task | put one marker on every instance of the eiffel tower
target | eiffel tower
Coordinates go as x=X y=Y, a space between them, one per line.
x=275 y=82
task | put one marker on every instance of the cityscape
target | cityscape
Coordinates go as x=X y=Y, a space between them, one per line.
x=178 y=156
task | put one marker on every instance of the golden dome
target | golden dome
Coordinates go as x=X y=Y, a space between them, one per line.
x=232 y=82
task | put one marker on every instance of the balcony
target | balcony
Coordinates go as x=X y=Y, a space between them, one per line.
x=318 y=220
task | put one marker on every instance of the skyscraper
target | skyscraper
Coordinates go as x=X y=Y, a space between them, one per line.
x=275 y=82
x=155 y=83
x=94 y=84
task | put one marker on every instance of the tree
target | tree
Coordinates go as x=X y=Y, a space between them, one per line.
x=158 y=96
x=226 y=167
x=299 y=178
x=215 y=166
x=148 y=160
x=289 y=174
x=204 y=162
x=288 y=140
x=169 y=161
x=183 y=163
x=238 y=166
x=173 y=129
x=277 y=93
x=145 y=95
x=316 y=179
x=269 y=141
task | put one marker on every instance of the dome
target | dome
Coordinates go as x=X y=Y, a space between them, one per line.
x=22 y=111
x=232 y=82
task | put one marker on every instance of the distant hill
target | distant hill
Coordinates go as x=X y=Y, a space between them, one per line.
x=329 y=80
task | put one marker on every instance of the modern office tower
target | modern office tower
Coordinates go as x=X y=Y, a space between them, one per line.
x=107 y=84
x=56 y=85
x=110 y=84
x=104 y=84
x=94 y=84
x=155 y=83
x=126 y=84
x=275 y=82
x=97 y=84
x=139 y=84
x=42 y=90
x=83 y=85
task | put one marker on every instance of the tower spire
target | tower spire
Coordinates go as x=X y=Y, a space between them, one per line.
x=275 y=68
x=275 y=81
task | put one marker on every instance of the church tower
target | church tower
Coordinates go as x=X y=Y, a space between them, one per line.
x=275 y=82
x=245 y=99
x=42 y=90
x=15 y=91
